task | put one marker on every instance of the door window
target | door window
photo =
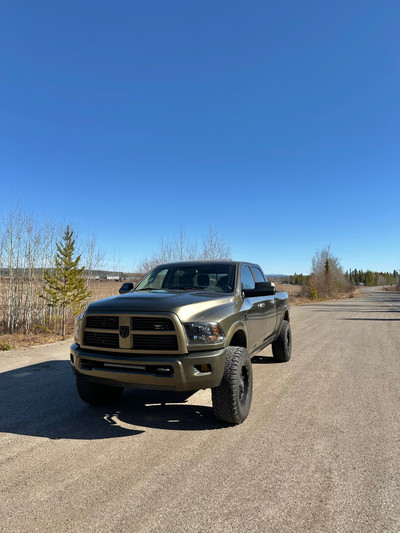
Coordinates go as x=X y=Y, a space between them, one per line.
x=247 y=278
x=258 y=274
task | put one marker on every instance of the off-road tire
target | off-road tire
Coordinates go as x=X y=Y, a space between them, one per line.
x=282 y=346
x=232 y=398
x=96 y=394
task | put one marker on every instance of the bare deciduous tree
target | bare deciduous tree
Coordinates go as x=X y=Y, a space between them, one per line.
x=181 y=248
x=327 y=276
x=94 y=260
x=214 y=245
x=27 y=250
x=178 y=248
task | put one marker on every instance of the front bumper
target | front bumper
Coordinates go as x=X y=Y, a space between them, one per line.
x=192 y=371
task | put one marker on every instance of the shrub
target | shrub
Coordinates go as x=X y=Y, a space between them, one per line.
x=313 y=292
x=5 y=347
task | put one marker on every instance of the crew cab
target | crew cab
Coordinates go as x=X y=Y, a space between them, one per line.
x=185 y=326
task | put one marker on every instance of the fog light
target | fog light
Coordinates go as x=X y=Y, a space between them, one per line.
x=203 y=368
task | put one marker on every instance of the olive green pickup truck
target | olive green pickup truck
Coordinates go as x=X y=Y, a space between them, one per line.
x=185 y=326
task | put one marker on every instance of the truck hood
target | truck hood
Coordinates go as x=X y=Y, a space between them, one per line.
x=188 y=305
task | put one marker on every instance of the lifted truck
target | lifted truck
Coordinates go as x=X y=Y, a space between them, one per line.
x=185 y=326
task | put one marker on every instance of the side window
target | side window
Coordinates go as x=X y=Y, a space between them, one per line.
x=258 y=274
x=247 y=278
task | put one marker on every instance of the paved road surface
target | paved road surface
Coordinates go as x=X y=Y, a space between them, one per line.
x=319 y=451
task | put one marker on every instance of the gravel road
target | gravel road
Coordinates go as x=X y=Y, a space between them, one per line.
x=318 y=453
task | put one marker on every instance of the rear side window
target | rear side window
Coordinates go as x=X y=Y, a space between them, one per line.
x=258 y=274
x=247 y=278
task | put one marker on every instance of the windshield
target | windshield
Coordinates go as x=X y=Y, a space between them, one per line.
x=216 y=277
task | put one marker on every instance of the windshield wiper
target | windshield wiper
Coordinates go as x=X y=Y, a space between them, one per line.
x=149 y=289
x=185 y=288
x=172 y=289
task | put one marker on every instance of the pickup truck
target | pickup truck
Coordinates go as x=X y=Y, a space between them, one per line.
x=185 y=326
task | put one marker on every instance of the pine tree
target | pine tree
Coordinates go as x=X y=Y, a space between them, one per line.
x=65 y=285
x=312 y=290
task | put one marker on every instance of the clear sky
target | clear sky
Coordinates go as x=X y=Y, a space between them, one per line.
x=278 y=122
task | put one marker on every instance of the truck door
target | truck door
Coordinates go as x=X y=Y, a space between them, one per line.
x=251 y=311
x=259 y=313
x=267 y=309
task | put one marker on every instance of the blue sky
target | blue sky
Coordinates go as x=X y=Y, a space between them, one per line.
x=277 y=122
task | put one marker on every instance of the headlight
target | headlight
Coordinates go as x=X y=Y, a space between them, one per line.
x=199 y=333
x=78 y=327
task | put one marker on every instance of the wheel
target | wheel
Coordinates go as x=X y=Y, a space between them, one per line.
x=96 y=394
x=232 y=398
x=282 y=346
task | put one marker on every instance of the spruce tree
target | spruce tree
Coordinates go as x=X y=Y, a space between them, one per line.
x=65 y=285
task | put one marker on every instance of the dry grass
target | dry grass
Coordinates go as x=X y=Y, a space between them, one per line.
x=295 y=293
x=292 y=290
x=104 y=289
x=296 y=297
x=22 y=340
x=391 y=288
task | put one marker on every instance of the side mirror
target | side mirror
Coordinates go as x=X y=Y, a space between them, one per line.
x=271 y=285
x=126 y=287
x=264 y=288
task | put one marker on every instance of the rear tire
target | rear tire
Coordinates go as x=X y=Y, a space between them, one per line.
x=232 y=398
x=282 y=346
x=97 y=394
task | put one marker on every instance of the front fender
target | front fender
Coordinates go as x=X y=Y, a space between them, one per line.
x=239 y=325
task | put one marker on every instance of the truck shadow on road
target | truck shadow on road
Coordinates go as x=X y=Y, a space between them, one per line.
x=165 y=410
x=41 y=400
x=264 y=360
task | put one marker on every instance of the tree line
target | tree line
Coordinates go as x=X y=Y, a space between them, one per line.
x=371 y=278
x=327 y=278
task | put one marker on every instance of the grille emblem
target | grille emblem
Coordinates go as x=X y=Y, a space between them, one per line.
x=124 y=331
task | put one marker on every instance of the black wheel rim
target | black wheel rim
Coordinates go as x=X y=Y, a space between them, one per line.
x=243 y=385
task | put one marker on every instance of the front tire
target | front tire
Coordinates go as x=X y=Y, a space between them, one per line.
x=282 y=346
x=96 y=394
x=232 y=398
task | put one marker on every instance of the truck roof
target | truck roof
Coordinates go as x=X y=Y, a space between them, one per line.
x=206 y=261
